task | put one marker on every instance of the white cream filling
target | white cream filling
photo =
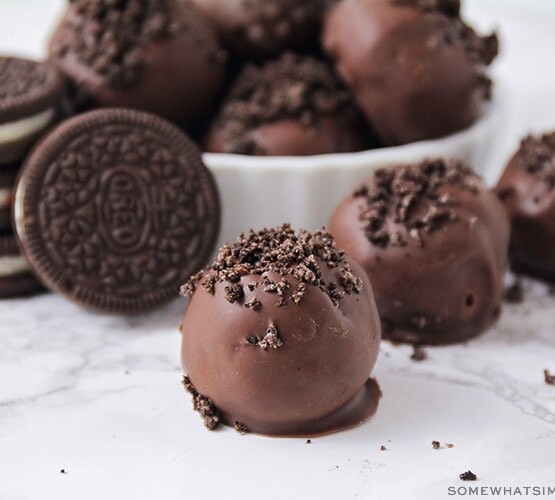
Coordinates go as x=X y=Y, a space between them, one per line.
x=11 y=266
x=15 y=131
x=17 y=209
x=5 y=198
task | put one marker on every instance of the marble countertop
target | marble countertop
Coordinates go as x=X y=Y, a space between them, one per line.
x=99 y=397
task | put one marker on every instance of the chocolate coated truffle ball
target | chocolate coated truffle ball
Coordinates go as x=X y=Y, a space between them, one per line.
x=280 y=336
x=257 y=29
x=155 y=55
x=293 y=106
x=416 y=69
x=434 y=243
x=527 y=189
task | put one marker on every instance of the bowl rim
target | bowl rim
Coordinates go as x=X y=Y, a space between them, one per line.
x=489 y=117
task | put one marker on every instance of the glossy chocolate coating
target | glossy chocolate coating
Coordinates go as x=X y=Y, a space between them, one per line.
x=177 y=75
x=292 y=106
x=316 y=382
x=417 y=74
x=527 y=191
x=445 y=289
x=258 y=29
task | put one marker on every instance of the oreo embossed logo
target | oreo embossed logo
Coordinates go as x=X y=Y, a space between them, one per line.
x=123 y=210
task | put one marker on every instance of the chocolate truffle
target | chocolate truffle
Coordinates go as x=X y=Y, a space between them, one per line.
x=434 y=243
x=416 y=69
x=280 y=336
x=294 y=106
x=527 y=189
x=257 y=29
x=156 y=55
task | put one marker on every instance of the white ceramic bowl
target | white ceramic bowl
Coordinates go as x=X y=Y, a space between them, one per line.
x=260 y=192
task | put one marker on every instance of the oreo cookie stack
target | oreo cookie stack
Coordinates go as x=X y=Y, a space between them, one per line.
x=112 y=208
x=30 y=102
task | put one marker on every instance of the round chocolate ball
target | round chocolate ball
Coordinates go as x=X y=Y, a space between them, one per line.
x=434 y=243
x=281 y=335
x=258 y=29
x=155 y=55
x=416 y=69
x=294 y=106
x=527 y=189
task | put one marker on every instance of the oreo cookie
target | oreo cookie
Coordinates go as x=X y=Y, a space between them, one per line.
x=30 y=96
x=16 y=279
x=7 y=182
x=115 y=210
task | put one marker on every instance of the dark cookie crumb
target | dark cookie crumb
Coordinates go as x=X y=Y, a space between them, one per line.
x=298 y=294
x=412 y=195
x=482 y=50
x=436 y=445
x=468 y=476
x=63 y=471
x=514 y=294
x=240 y=428
x=294 y=87
x=253 y=304
x=549 y=378
x=308 y=441
x=279 y=288
x=383 y=448
x=234 y=293
x=271 y=339
x=449 y=445
x=538 y=157
x=203 y=405
x=418 y=354
x=302 y=255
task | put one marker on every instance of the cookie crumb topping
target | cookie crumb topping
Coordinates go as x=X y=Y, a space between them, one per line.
x=301 y=255
x=413 y=196
x=292 y=87
x=203 y=405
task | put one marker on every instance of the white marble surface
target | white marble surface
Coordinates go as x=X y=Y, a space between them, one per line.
x=100 y=397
